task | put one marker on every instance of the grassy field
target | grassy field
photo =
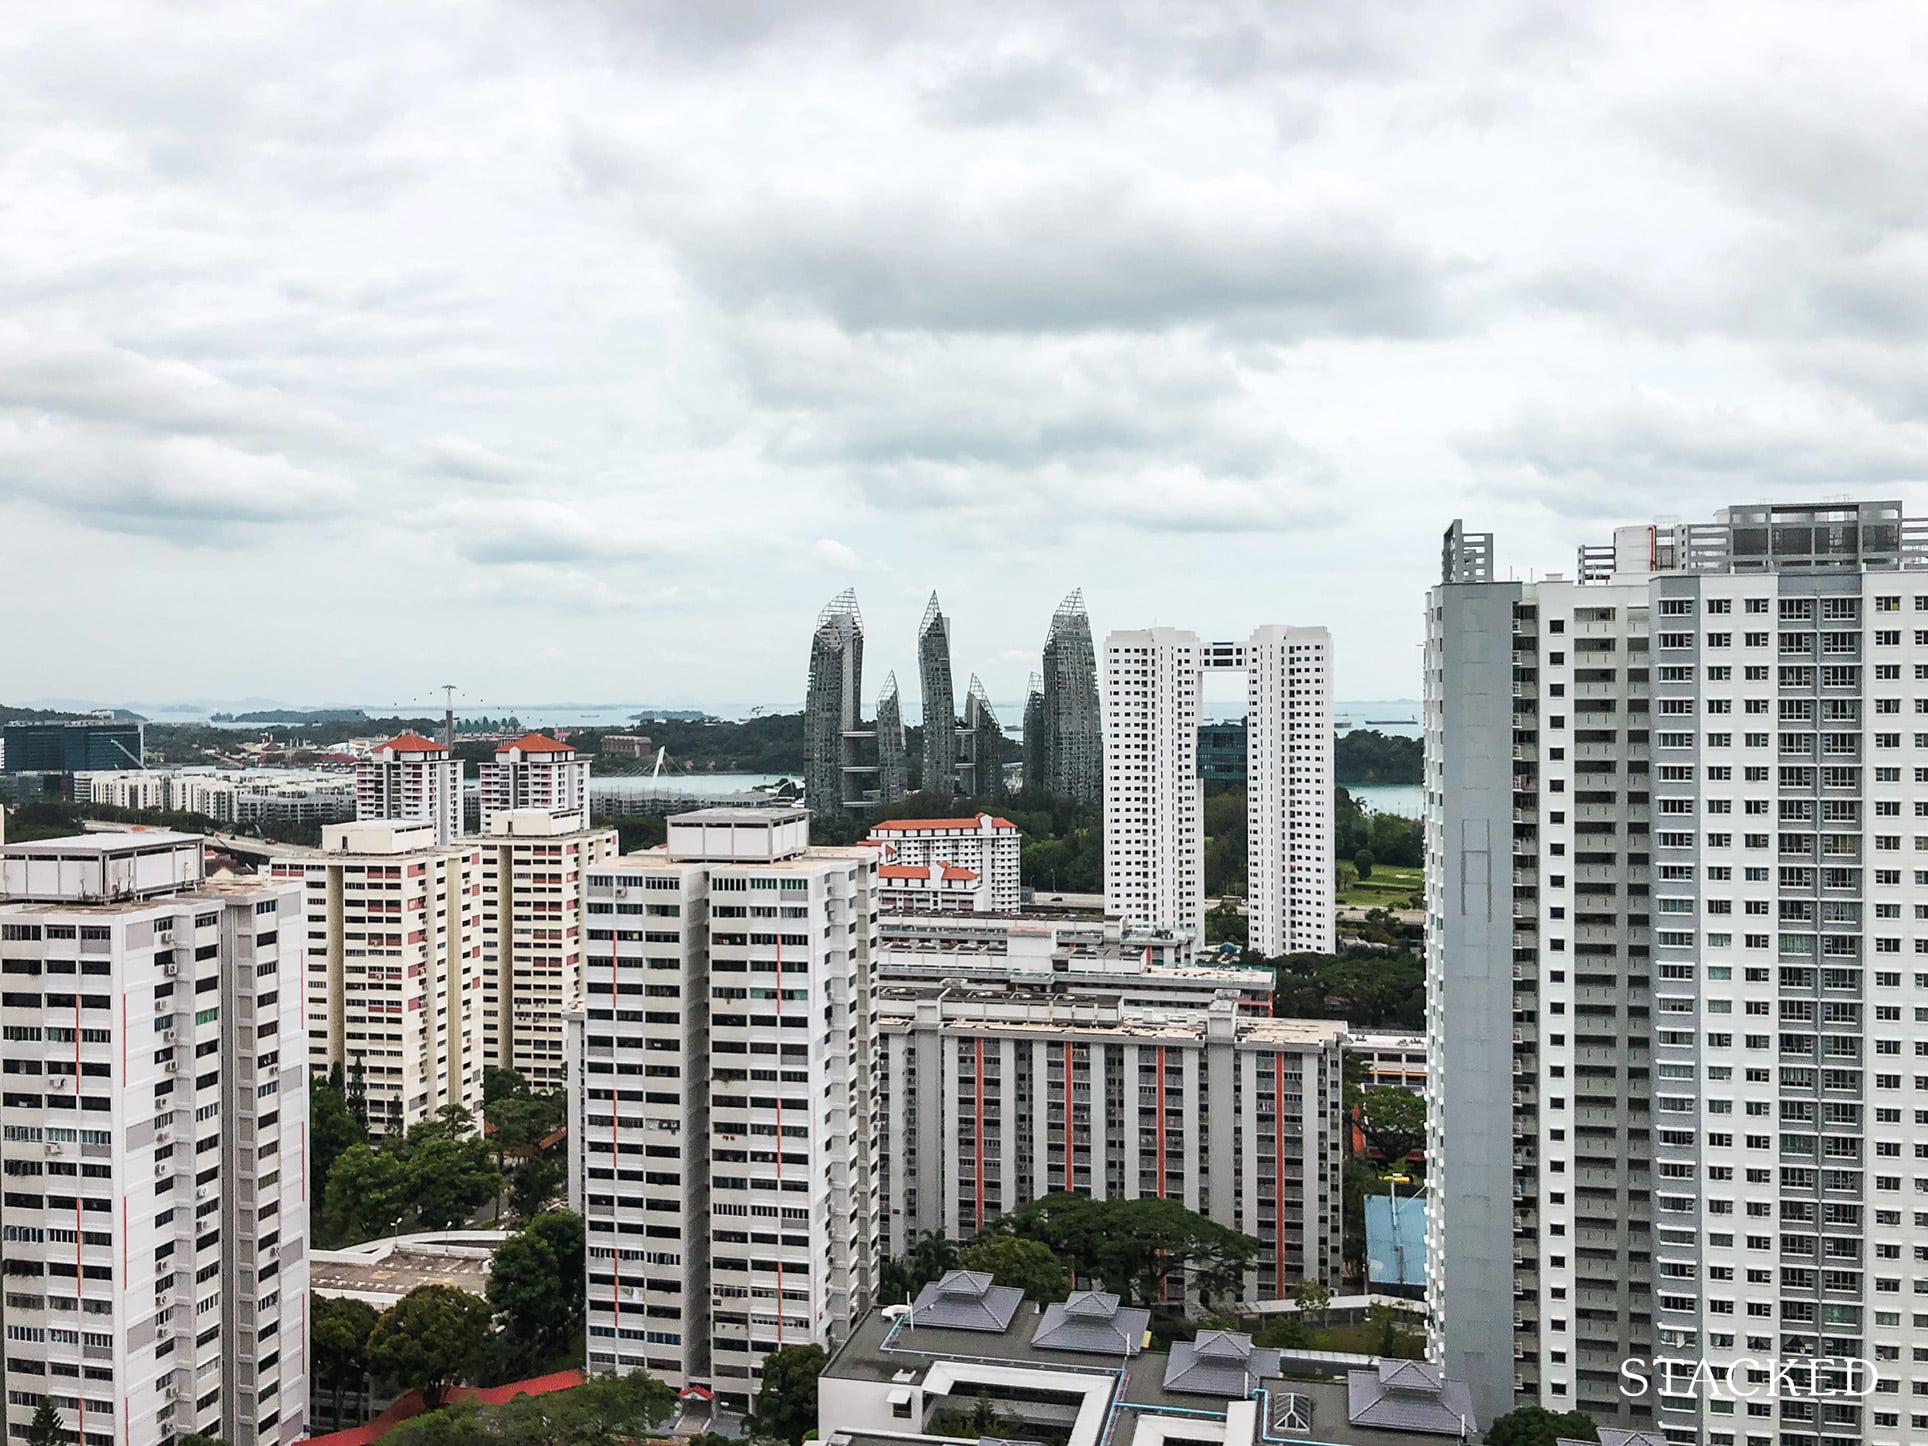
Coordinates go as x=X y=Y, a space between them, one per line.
x=1388 y=888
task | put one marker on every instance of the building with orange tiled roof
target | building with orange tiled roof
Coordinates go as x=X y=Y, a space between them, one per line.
x=411 y=778
x=936 y=888
x=985 y=845
x=535 y=772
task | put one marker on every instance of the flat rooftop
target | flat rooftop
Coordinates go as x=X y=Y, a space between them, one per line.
x=92 y=845
x=749 y=816
x=402 y=1271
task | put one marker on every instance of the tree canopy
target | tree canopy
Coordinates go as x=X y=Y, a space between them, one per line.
x=339 y=1329
x=432 y=1338
x=1537 y=1426
x=1393 y=1121
x=1030 y=1265
x=1131 y=1245
x=786 y=1400
x=1372 y=991
x=606 y=1410
x=536 y=1287
x=1365 y=755
x=368 y=1192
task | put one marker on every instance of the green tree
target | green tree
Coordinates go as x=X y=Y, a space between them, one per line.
x=502 y=1084
x=332 y=1131
x=931 y=1254
x=368 y=1193
x=1027 y=1264
x=535 y=1183
x=458 y=1425
x=1313 y=1298
x=536 y=1286
x=1537 y=1426
x=45 y=1428
x=1393 y=1121
x=982 y=1420
x=786 y=1401
x=195 y=1438
x=1363 y=862
x=450 y=1177
x=339 y=1329
x=1132 y=1244
x=432 y=1338
x=607 y=1409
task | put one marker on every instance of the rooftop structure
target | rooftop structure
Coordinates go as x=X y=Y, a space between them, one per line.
x=987 y=846
x=534 y=772
x=1078 y=1372
x=940 y=703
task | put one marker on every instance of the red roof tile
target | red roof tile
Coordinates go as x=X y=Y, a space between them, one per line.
x=412 y=743
x=535 y=743
x=923 y=871
x=972 y=824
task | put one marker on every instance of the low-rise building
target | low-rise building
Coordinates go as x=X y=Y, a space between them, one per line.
x=986 y=847
x=626 y=745
x=972 y=1360
x=1390 y=1057
x=131 y=788
x=992 y=1095
x=153 y=1136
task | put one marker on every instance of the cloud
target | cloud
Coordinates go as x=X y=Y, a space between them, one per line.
x=458 y=457
x=1646 y=451
x=1012 y=90
x=1039 y=252
x=190 y=489
x=499 y=531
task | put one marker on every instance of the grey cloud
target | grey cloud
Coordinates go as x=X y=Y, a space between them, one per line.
x=87 y=380
x=1827 y=160
x=1077 y=253
x=189 y=489
x=506 y=531
x=461 y=458
x=1011 y=90
x=1650 y=449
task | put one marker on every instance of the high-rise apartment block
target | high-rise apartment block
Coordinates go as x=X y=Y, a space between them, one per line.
x=154 y=1141
x=721 y=1098
x=533 y=871
x=394 y=966
x=996 y=1094
x=535 y=772
x=1154 y=800
x=987 y=847
x=411 y=778
x=1672 y=901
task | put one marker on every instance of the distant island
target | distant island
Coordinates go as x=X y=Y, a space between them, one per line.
x=670 y=715
x=293 y=715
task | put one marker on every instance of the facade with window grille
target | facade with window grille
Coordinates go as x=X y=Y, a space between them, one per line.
x=720 y=1099
x=1677 y=835
x=992 y=1095
x=153 y=1139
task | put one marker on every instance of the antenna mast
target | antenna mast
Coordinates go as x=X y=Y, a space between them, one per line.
x=448 y=716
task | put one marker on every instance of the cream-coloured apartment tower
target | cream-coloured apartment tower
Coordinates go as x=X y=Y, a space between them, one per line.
x=394 y=966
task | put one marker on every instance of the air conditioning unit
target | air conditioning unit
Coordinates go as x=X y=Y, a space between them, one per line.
x=171 y=1066
x=60 y=1082
x=168 y=1036
x=201 y=1192
x=54 y=1147
x=170 y=969
x=163 y=1167
x=170 y=1392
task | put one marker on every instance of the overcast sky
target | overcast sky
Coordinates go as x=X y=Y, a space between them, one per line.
x=582 y=351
